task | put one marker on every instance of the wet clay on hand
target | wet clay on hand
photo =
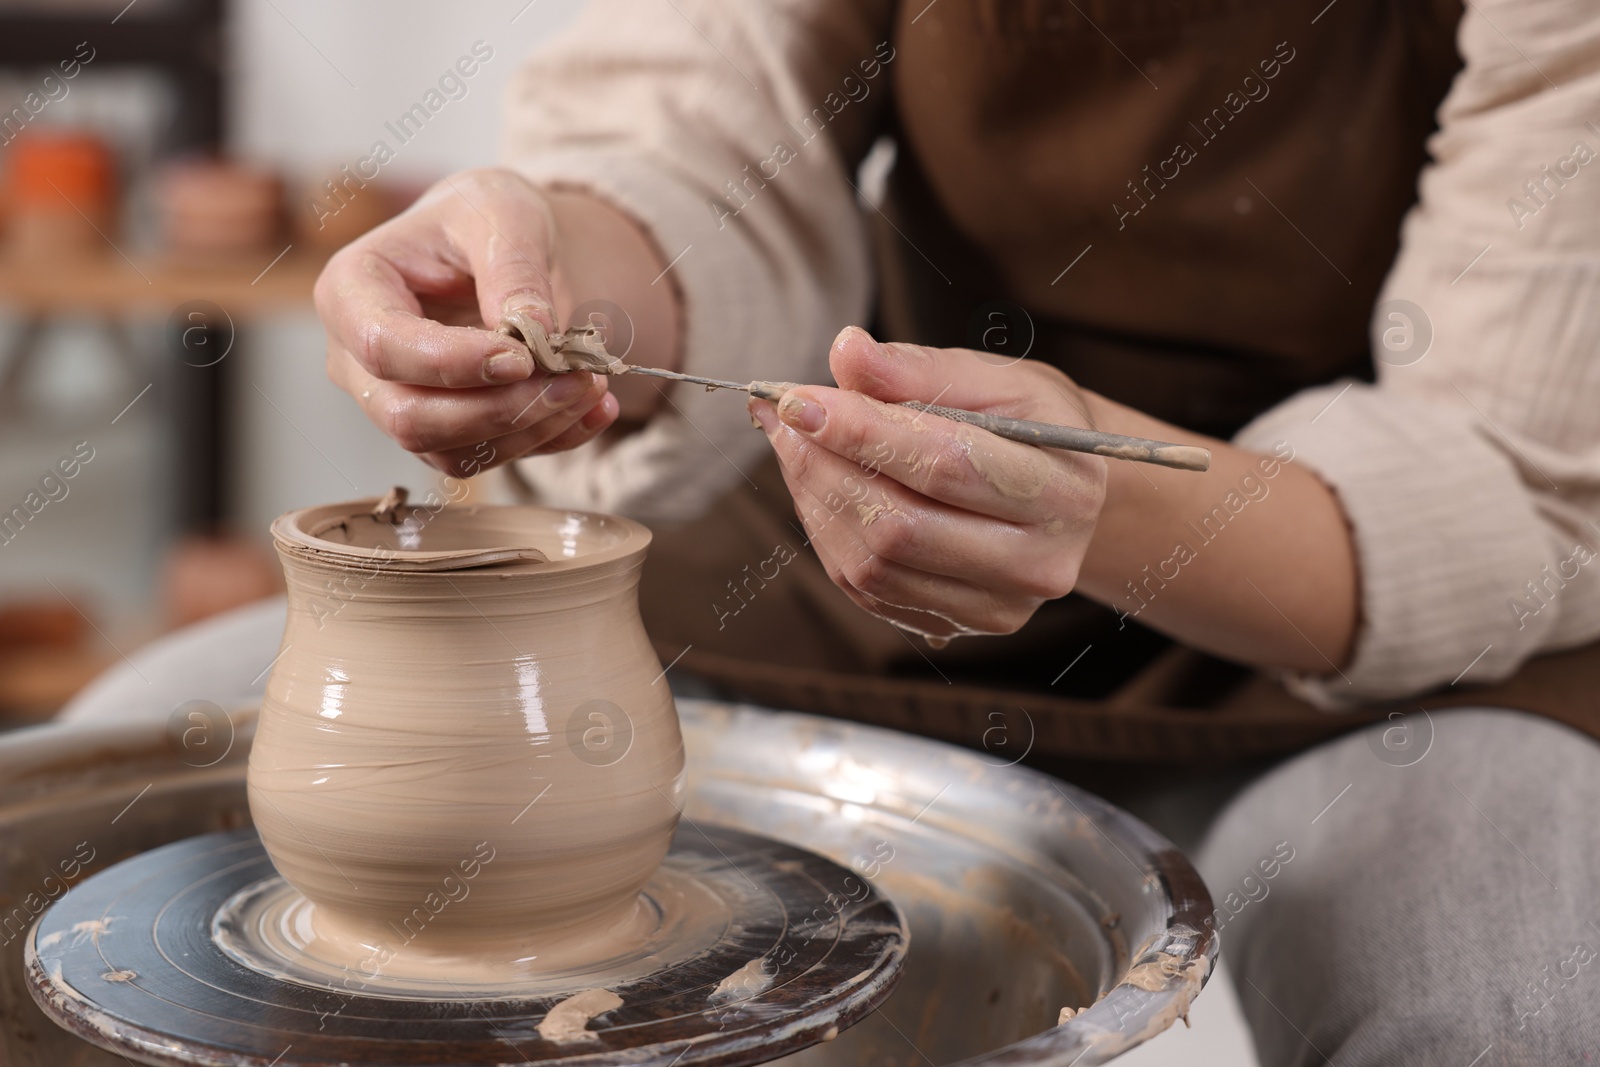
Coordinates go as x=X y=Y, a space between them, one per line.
x=578 y=348
x=469 y=774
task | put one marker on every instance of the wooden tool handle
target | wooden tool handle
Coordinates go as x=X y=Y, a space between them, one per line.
x=1048 y=435
x=1073 y=439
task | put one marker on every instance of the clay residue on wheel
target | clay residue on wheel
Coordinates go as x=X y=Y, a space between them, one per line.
x=1183 y=985
x=568 y=1021
x=1155 y=975
x=747 y=982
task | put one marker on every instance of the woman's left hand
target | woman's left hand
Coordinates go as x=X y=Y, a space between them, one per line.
x=941 y=528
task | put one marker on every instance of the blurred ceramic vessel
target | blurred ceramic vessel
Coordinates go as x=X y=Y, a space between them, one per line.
x=219 y=208
x=60 y=192
x=329 y=214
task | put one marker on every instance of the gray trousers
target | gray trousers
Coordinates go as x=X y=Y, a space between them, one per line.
x=1441 y=904
x=1423 y=893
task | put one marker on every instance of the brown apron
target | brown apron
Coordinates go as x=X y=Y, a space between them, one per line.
x=1195 y=203
x=761 y=620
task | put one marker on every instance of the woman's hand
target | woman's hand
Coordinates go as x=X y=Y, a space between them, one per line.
x=939 y=527
x=409 y=308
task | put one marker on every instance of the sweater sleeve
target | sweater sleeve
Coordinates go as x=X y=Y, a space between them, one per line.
x=731 y=133
x=1470 y=472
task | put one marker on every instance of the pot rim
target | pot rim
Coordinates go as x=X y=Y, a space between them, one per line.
x=291 y=535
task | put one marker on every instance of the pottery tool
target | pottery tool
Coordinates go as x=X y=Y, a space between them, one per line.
x=583 y=348
x=1044 y=434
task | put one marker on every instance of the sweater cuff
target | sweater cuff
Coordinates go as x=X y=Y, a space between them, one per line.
x=700 y=444
x=1445 y=533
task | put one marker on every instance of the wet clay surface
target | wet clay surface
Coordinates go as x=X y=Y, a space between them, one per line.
x=577 y=348
x=1015 y=473
x=468 y=772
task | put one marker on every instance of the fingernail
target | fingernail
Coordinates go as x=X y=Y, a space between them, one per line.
x=852 y=333
x=567 y=388
x=762 y=415
x=529 y=302
x=507 y=367
x=805 y=415
x=901 y=350
x=856 y=334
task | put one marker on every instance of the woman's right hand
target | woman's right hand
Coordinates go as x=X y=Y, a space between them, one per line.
x=410 y=309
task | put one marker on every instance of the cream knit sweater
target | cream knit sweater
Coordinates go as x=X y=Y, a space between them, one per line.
x=1470 y=476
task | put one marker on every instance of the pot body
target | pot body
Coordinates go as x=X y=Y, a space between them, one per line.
x=466 y=760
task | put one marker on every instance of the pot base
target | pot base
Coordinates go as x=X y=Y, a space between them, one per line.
x=270 y=928
x=198 y=953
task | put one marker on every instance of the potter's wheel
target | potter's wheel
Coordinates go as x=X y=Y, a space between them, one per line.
x=187 y=955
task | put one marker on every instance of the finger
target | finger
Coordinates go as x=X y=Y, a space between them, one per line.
x=914 y=600
x=486 y=455
x=371 y=310
x=588 y=426
x=421 y=420
x=886 y=584
x=954 y=377
x=929 y=623
x=902 y=526
x=806 y=509
x=506 y=232
x=956 y=464
x=593 y=423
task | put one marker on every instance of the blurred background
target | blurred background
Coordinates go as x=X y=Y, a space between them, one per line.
x=173 y=174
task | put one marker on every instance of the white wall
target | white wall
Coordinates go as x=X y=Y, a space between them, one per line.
x=314 y=81
x=293 y=108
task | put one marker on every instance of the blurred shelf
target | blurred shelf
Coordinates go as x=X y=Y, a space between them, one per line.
x=36 y=682
x=109 y=285
x=108 y=288
x=181 y=38
x=169 y=38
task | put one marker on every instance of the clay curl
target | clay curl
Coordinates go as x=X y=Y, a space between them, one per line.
x=577 y=348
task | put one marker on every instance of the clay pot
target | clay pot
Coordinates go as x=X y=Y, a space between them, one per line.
x=219 y=208
x=61 y=189
x=203 y=576
x=471 y=760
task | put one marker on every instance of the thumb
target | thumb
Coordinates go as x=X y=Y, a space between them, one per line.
x=507 y=241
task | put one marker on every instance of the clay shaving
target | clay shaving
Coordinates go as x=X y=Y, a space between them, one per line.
x=579 y=348
x=392 y=501
x=390 y=535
